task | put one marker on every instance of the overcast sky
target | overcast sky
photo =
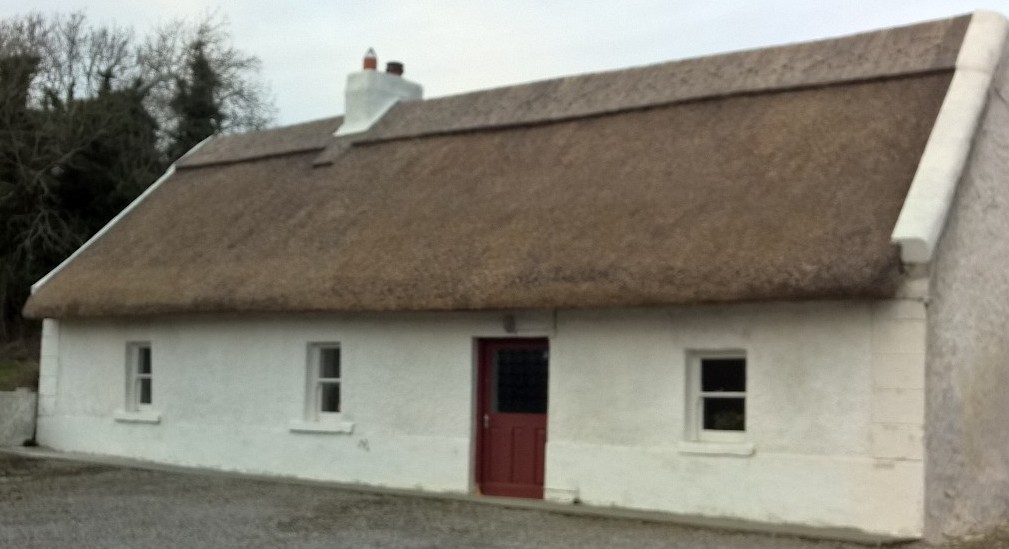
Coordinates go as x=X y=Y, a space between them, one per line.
x=451 y=46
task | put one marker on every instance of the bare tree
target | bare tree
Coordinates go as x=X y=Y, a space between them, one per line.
x=86 y=123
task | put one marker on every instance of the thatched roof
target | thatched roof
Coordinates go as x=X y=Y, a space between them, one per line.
x=619 y=189
x=906 y=50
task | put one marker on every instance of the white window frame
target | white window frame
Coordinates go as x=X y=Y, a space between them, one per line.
x=135 y=377
x=314 y=419
x=133 y=410
x=695 y=399
x=316 y=382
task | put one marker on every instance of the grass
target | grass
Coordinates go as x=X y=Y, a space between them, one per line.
x=14 y=374
x=19 y=366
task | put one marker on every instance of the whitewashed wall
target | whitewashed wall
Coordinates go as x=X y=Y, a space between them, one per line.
x=831 y=447
x=821 y=383
x=968 y=370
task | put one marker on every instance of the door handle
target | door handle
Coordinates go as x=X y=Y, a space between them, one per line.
x=486 y=421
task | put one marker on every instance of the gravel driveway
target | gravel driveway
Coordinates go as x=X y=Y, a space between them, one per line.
x=47 y=503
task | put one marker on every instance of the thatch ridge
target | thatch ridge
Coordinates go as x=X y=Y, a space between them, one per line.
x=920 y=48
x=302 y=137
x=339 y=146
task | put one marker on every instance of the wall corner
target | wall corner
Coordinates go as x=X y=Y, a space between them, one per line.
x=49 y=367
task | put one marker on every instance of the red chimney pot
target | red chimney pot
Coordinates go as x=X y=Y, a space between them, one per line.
x=370 y=60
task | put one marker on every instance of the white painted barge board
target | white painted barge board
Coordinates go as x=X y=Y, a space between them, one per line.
x=921 y=220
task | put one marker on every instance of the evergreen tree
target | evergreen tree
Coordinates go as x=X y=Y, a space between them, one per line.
x=195 y=103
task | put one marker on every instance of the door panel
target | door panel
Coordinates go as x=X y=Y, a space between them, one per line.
x=512 y=417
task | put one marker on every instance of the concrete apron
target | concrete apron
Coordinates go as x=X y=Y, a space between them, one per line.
x=726 y=524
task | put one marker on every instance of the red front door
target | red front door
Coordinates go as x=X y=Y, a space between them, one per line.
x=512 y=417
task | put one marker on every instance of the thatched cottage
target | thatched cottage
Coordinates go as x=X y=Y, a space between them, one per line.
x=770 y=286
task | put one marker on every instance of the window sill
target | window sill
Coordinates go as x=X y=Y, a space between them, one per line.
x=322 y=427
x=138 y=416
x=742 y=449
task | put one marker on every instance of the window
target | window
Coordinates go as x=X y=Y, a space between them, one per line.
x=324 y=379
x=324 y=411
x=140 y=372
x=139 y=386
x=717 y=382
x=520 y=381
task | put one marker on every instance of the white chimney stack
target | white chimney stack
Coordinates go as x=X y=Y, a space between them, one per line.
x=371 y=93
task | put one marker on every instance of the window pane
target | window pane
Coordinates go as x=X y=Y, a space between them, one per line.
x=144 y=360
x=725 y=414
x=330 y=362
x=330 y=398
x=145 y=391
x=723 y=375
x=521 y=381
